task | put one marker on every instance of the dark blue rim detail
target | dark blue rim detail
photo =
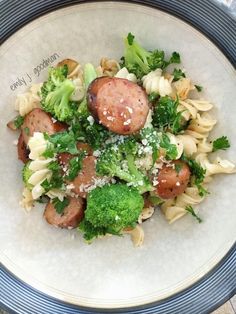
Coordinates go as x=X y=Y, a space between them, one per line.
x=220 y=283
x=204 y=15
x=203 y=297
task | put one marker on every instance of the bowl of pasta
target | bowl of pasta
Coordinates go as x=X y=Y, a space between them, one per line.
x=118 y=159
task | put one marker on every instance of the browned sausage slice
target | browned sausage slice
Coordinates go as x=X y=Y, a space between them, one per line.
x=86 y=177
x=64 y=158
x=122 y=106
x=40 y=121
x=172 y=179
x=71 y=216
x=23 y=153
x=92 y=94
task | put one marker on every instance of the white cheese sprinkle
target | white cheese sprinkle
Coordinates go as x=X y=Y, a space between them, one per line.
x=127 y=122
x=178 y=183
x=90 y=120
x=145 y=142
x=155 y=182
x=129 y=109
x=53 y=120
x=96 y=153
x=110 y=118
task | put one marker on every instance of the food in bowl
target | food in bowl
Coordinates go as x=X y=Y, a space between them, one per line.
x=105 y=147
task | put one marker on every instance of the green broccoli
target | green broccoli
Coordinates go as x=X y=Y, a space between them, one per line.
x=119 y=160
x=89 y=74
x=90 y=132
x=26 y=174
x=56 y=92
x=110 y=209
x=140 y=61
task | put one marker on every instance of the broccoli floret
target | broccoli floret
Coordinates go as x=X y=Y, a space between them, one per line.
x=56 y=92
x=26 y=174
x=110 y=209
x=119 y=161
x=90 y=74
x=140 y=61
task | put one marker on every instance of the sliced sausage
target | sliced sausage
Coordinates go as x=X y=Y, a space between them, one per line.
x=40 y=121
x=64 y=158
x=121 y=105
x=71 y=64
x=86 y=177
x=85 y=147
x=172 y=179
x=92 y=94
x=11 y=125
x=71 y=216
x=23 y=152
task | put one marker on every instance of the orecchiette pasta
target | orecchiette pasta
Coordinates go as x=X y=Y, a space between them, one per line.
x=174 y=209
x=146 y=213
x=39 y=165
x=178 y=143
x=218 y=166
x=182 y=87
x=189 y=144
x=76 y=73
x=79 y=91
x=154 y=82
x=27 y=199
x=108 y=67
x=37 y=145
x=124 y=73
x=26 y=102
x=190 y=107
x=137 y=235
x=203 y=146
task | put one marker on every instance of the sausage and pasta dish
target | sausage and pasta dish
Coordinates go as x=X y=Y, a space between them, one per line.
x=104 y=147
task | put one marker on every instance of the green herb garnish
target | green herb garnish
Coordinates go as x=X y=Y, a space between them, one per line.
x=198 y=172
x=192 y=212
x=60 y=205
x=178 y=168
x=221 y=143
x=166 y=117
x=64 y=142
x=75 y=165
x=198 y=88
x=18 y=121
x=178 y=74
x=27 y=131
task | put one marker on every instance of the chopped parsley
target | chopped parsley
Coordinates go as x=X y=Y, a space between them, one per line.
x=221 y=143
x=60 y=205
x=171 y=149
x=198 y=172
x=56 y=180
x=49 y=152
x=18 y=121
x=178 y=168
x=178 y=74
x=175 y=58
x=130 y=39
x=198 y=88
x=192 y=212
x=153 y=97
x=64 y=142
x=75 y=165
x=166 y=117
x=27 y=131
